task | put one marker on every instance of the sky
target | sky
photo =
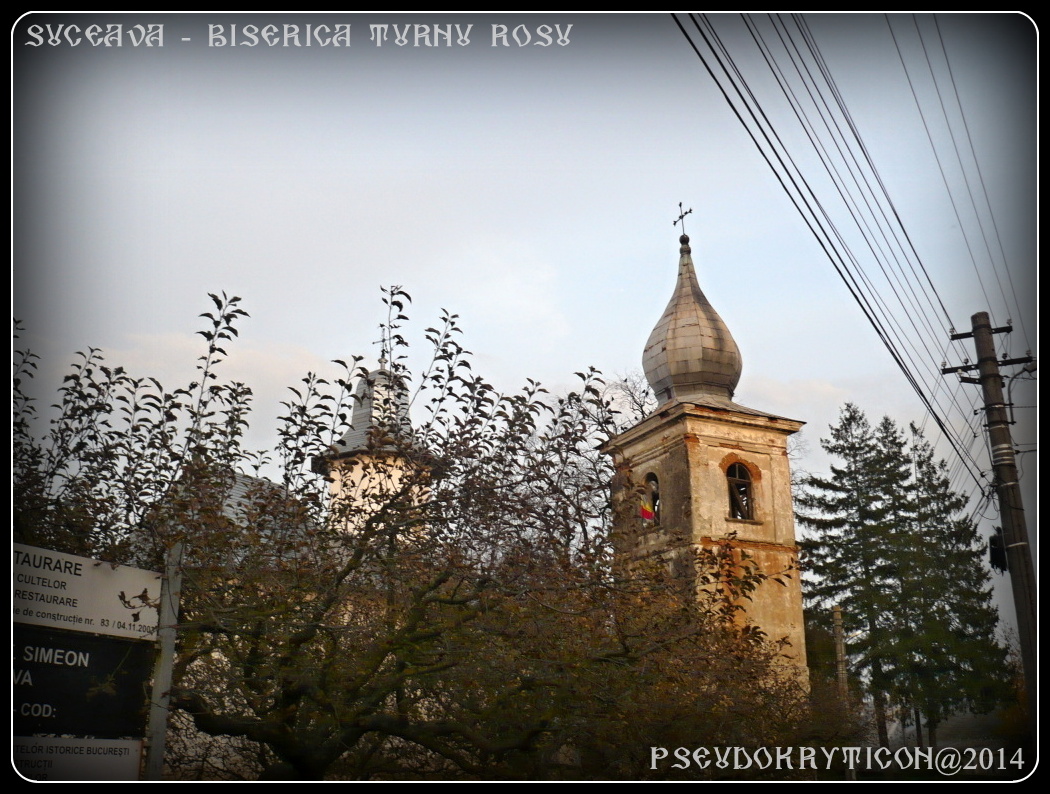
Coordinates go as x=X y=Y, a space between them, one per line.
x=529 y=189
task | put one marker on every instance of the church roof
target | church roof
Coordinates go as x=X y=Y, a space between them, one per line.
x=242 y=488
x=690 y=355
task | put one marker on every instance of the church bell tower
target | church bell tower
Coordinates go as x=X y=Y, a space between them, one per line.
x=368 y=467
x=707 y=467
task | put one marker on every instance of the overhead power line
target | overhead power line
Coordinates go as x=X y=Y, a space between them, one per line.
x=897 y=298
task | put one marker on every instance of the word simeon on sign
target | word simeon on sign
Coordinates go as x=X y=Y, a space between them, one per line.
x=59 y=656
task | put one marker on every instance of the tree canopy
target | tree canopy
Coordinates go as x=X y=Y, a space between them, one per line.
x=454 y=608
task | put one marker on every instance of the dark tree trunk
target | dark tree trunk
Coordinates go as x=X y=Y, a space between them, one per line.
x=880 y=720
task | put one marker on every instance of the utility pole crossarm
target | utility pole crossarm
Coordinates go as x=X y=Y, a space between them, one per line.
x=1003 y=362
x=1002 y=329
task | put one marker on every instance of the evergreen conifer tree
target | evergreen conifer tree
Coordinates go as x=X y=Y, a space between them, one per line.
x=888 y=541
x=853 y=516
x=949 y=660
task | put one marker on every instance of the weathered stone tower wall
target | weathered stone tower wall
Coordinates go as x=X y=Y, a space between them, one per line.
x=689 y=450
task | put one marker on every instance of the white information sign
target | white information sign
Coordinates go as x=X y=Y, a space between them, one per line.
x=68 y=592
x=77 y=759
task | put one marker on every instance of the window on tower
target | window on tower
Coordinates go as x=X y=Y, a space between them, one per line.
x=741 y=501
x=651 y=499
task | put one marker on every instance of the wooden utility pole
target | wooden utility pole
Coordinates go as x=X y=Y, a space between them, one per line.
x=1011 y=511
x=840 y=654
x=840 y=668
x=157 y=731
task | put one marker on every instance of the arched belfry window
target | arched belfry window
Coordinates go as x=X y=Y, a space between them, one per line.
x=651 y=499
x=741 y=496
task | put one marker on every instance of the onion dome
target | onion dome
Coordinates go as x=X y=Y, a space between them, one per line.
x=690 y=354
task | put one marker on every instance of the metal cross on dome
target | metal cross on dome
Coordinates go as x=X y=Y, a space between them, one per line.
x=682 y=216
